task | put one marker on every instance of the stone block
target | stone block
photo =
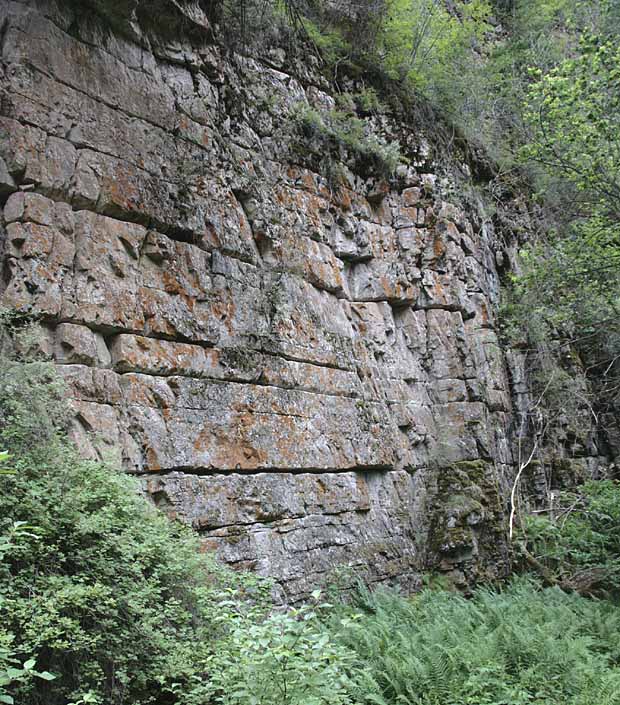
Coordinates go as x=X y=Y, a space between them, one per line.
x=7 y=182
x=78 y=345
x=132 y=353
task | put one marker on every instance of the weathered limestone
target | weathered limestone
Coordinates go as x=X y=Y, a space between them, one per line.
x=301 y=370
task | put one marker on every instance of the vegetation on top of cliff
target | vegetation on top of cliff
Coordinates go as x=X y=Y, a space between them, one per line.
x=331 y=135
x=401 y=48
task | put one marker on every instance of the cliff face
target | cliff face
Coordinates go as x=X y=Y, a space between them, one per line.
x=308 y=371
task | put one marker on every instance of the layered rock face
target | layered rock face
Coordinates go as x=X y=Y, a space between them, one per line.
x=307 y=371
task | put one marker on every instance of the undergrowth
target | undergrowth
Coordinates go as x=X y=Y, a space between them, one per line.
x=523 y=645
x=577 y=545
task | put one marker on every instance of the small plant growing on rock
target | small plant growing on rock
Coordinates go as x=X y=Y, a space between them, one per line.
x=347 y=136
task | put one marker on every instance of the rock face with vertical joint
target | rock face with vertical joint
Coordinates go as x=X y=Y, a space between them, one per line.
x=305 y=368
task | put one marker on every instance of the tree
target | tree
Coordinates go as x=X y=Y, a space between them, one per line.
x=571 y=284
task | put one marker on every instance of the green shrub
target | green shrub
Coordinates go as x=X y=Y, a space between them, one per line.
x=287 y=659
x=328 y=39
x=422 y=41
x=367 y=101
x=13 y=670
x=108 y=594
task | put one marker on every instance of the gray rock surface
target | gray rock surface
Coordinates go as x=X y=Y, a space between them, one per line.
x=308 y=373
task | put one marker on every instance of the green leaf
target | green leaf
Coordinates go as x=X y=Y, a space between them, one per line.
x=46 y=676
x=14 y=672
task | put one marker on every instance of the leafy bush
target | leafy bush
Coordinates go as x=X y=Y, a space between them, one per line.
x=12 y=669
x=574 y=112
x=367 y=101
x=568 y=293
x=329 y=40
x=287 y=659
x=423 y=42
x=107 y=594
x=579 y=544
x=520 y=646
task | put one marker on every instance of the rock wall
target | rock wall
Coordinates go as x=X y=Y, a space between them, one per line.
x=309 y=373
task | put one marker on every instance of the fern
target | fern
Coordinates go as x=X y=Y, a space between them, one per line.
x=520 y=646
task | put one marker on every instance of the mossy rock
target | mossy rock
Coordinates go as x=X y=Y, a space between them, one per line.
x=461 y=505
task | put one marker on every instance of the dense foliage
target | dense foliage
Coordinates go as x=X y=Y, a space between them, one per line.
x=523 y=645
x=102 y=591
x=577 y=545
x=570 y=285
